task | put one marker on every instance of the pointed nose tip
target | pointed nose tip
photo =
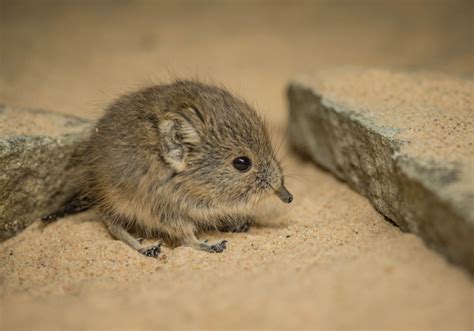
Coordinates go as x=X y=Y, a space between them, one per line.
x=284 y=195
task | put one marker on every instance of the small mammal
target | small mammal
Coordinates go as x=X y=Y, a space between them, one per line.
x=171 y=160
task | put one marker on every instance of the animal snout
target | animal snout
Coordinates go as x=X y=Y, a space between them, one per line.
x=284 y=194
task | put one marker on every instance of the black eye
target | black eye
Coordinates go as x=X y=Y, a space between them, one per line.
x=242 y=163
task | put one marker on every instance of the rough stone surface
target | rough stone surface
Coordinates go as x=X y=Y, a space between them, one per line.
x=405 y=141
x=35 y=151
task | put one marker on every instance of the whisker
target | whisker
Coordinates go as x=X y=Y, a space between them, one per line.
x=280 y=139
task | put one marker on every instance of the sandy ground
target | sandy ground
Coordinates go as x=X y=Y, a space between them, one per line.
x=327 y=261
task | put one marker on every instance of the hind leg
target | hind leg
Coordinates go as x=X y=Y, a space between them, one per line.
x=236 y=224
x=74 y=205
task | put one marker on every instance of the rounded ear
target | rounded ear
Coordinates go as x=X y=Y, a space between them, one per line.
x=186 y=127
x=192 y=114
x=176 y=132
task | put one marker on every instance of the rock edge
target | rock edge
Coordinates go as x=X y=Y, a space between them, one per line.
x=35 y=153
x=410 y=191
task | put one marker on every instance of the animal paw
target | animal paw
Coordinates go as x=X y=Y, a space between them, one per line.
x=218 y=247
x=152 y=251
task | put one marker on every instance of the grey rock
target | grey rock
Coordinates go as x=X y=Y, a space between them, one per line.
x=35 y=157
x=405 y=141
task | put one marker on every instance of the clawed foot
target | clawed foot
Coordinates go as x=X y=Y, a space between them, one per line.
x=217 y=247
x=244 y=227
x=152 y=251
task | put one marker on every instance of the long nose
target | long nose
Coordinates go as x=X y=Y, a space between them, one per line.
x=284 y=195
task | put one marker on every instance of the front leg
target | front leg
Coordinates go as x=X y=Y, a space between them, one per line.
x=217 y=247
x=186 y=235
x=120 y=233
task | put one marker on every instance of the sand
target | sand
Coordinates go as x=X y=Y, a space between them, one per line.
x=327 y=261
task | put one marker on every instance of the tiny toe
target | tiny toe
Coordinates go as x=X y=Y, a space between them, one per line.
x=219 y=247
x=49 y=218
x=216 y=249
x=153 y=251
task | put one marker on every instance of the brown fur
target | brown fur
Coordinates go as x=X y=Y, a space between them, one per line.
x=160 y=160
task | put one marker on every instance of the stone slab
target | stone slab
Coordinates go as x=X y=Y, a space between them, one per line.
x=35 y=153
x=403 y=140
